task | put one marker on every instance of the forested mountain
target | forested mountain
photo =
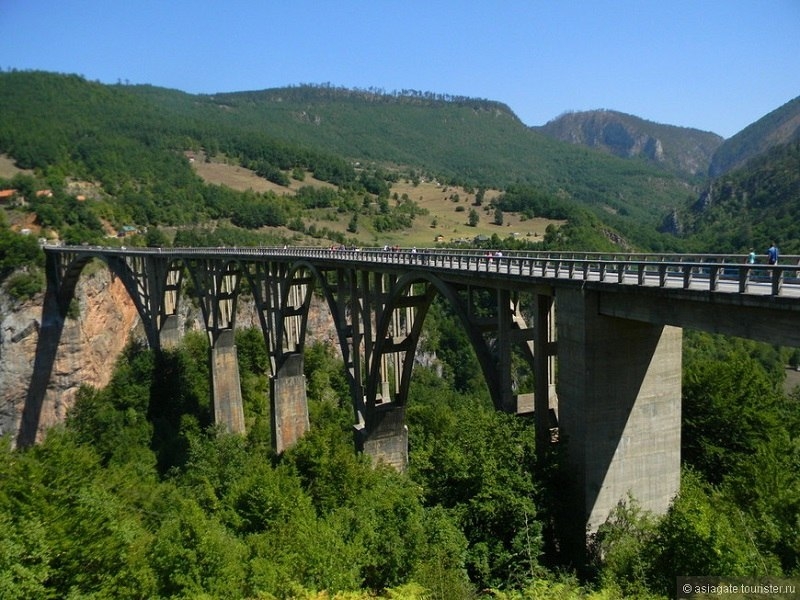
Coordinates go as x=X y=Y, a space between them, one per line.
x=751 y=206
x=680 y=149
x=781 y=126
x=131 y=139
x=462 y=140
x=131 y=143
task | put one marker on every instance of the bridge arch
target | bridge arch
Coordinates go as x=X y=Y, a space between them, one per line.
x=338 y=310
x=63 y=276
x=398 y=300
x=371 y=310
x=154 y=289
x=71 y=271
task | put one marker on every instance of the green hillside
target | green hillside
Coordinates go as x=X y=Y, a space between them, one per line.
x=781 y=126
x=131 y=139
x=750 y=207
x=685 y=151
x=346 y=166
x=477 y=142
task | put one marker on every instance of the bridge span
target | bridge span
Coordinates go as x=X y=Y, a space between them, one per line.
x=602 y=333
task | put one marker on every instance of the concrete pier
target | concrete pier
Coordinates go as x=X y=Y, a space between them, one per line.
x=619 y=382
x=288 y=404
x=226 y=387
x=386 y=440
x=170 y=334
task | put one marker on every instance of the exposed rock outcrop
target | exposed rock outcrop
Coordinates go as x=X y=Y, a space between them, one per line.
x=682 y=149
x=672 y=224
x=89 y=346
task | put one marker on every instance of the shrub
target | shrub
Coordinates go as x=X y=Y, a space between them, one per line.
x=25 y=285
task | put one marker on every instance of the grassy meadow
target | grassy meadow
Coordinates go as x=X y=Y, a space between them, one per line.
x=448 y=209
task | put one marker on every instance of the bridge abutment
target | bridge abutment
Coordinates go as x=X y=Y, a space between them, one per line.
x=619 y=389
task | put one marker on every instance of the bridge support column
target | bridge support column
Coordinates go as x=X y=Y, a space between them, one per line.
x=170 y=334
x=543 y=371
x=387 y=438
x=289 y=404
x=226 y=388
x=619 y=390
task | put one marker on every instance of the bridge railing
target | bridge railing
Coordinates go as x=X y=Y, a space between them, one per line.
x=712 y=272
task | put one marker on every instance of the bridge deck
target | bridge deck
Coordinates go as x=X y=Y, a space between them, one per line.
x=724 y=274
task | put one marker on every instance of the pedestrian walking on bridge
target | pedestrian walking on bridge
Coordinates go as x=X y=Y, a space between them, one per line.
x=772 y=254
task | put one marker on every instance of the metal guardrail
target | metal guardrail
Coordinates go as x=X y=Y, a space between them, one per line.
x=710 y=272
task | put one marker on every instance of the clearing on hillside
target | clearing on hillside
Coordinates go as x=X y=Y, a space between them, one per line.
x=8 y=169
x=447 y=219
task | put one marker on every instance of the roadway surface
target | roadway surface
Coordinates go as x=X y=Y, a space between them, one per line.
x=723 y=274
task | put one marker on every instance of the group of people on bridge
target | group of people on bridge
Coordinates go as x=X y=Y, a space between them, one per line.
x=772 y=255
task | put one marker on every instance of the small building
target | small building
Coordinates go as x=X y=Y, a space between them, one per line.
x=127 y=231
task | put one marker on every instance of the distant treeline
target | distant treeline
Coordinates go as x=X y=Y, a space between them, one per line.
x=305 y=92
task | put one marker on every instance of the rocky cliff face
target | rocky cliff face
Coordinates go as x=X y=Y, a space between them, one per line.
x=87 y=350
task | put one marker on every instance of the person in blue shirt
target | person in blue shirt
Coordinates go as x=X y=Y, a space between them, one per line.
x=772 y=254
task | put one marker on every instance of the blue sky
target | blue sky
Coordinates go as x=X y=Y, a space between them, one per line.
x=716 y=65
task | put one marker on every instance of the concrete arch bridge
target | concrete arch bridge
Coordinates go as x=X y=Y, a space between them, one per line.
x=609 y=325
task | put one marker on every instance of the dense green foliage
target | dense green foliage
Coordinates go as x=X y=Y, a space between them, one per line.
x=751 y=207
x=21 y=263
x=137 y=476
x=138 y=496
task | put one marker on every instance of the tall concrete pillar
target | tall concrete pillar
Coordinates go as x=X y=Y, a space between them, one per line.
x=543 y=371
x=289 y=404
x=226 y=387
x=503 y=349
x=619 y=390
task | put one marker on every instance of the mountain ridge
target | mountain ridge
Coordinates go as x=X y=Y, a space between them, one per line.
x=778 y=127
x=680 y=149
x=133 y=140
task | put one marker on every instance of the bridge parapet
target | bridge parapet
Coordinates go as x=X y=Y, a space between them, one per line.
x=721 y=273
